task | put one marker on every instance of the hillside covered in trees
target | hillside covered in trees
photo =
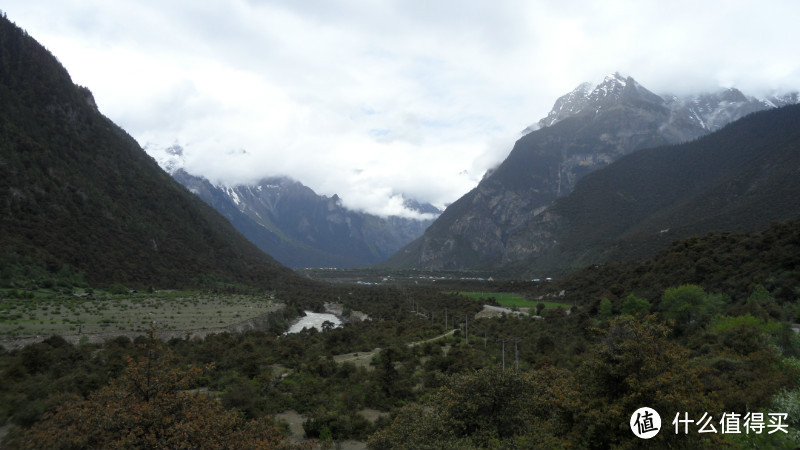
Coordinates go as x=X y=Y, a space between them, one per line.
x=738 y=179
x=660 y=334
x=77 y=192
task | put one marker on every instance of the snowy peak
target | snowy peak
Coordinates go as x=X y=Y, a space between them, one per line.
x=613 y=85
x=712 y=111
x=266 y=193
x=686 y=117
x=300 y=228
x=587 y=99
x=567 y=105
x=776 y=101
x=171 y=159
x=617 y=89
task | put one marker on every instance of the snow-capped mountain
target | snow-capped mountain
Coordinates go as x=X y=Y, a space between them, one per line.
x=586 y=99
x=587 y=129
x=711 y=112
x=690 y=116
x=297 y=226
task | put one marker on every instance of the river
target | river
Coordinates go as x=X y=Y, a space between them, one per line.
x=314 y=320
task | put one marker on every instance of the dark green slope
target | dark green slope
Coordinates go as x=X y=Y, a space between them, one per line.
x=76 y=189
x=729 y=263
x=738 y=179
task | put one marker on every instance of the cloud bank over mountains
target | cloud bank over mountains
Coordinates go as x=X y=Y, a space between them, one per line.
x=374 y=100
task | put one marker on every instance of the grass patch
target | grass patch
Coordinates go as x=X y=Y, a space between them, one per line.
x=509 y=300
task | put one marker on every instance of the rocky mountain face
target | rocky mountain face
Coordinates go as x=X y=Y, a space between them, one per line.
x=297 y=226
x=586 y=130
x=738 y=179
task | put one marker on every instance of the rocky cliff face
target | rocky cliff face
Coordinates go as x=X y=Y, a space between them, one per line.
x=740 y=178
x=587 y=129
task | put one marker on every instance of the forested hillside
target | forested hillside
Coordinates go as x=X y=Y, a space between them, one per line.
x=740 y=178
x=78 y=194
x=730 y=263
x=677 y=334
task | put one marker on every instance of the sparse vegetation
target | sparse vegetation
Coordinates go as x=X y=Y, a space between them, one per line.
x=106 y=311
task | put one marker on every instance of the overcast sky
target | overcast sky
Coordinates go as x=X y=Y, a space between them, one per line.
x=374 y=99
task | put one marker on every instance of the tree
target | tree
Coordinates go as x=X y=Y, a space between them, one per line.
x=760 y=303
x=688 y=303
x=604 y=310
x=386 y=375
x=148 y=408
x=635 y=364
x=472 y=410
x=634 y=305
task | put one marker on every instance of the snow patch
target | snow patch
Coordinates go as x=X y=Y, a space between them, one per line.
x=233 y=195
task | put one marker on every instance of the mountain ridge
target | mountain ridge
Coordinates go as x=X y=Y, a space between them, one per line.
x=738 y=179
x=299 y=227
x=587 y=129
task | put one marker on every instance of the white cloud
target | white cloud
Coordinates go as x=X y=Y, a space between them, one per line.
x=375 y=99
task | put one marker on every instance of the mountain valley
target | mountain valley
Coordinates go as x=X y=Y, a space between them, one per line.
x=632 y=250
x=298 y=227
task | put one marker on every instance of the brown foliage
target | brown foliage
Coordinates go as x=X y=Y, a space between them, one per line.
x=148 y=408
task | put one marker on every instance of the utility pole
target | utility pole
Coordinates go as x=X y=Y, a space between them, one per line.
x=466 y=328
x=516 y=353
x=445 y=317
x=504 y=352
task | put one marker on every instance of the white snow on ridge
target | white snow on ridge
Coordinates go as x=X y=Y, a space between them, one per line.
x=232 y=194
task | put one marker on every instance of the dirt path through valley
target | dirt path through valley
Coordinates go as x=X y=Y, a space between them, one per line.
x=363 y=359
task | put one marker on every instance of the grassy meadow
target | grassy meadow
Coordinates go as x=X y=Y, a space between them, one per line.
x=510 y=300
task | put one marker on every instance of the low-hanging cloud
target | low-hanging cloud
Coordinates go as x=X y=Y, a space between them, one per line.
x=377 y=101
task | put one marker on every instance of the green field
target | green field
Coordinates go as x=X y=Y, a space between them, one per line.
x=59 y=314
x=510 y=300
